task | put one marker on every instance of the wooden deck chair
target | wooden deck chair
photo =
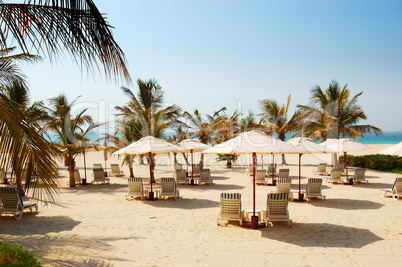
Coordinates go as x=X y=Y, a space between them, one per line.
x=260 y=176
x=196 y=169
x=313 y=189
x=11 y=202
x=283 y=174
x=335 y=176
x=135 y=188
x=359 y=176
x=395 y=191
x=277 y=208
x=321 y=169
x=169 y=188
x=115 y=170
x=181 y=176
x=99 y=176
x=270 y=167
x=230 y=208
x=205 y=176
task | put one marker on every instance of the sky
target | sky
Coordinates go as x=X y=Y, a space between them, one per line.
x=212 y=54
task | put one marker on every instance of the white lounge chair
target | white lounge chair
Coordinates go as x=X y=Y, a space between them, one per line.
x=283 y=186
x=196 y=169
x=11 y=202
x=205 y=176
x=115 y=170
x=313 y=189
x=321 y=169
x=260 y=176
x=181 y=176
x=77 y=176
x=169 y=188
x=230 y=208
x=99 y=176
x=97 y=166
x=359 y=176
x=395 y=191
x=250 y=170
x=283 y=174
x=176 y=167
x=135 y=188
x=277 y=208
x=340 y=165
x=335 y=176
x=271 y=169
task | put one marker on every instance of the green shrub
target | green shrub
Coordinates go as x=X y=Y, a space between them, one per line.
x=13 y=255
x=375 y=162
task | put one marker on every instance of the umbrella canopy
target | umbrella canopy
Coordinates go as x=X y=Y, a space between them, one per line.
x=254 y=142
x=343 y=145
x=150 y=145
x=395 y=150
x=191 y=146
x=311 y=146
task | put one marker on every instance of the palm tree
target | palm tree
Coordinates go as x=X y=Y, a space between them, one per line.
x=332 y=114
x=69 y=130
x=249 y=122
x=275 y=119
x=225 y=126
x=54 y=27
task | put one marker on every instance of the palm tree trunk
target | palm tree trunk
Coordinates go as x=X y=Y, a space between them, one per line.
x=202 y=161
x=130 y=167
x=19 y=183
x=283 y=159
x=71 y=166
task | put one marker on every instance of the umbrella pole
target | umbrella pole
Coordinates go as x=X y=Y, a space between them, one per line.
x=262 y=161
x=300 y=198
x=192 y=164
x=85 y=170
x=346 y=164
x=151 y=194
x=254 y=219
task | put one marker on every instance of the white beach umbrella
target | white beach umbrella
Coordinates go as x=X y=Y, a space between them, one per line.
x=254 y=142
x=395 y=150
x=149 y=145
x=191 y=146
x=344 y=145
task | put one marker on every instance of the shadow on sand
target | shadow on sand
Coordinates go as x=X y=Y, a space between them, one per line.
x=321 y=235
x=347 y=204
x=183 y=203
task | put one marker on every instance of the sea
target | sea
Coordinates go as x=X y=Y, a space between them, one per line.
x=384 y=138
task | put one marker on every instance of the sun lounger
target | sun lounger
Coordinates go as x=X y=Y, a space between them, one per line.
x=283 y=186
x=359 y=176
x=340 y=165
x=250 y=170
x=321 y=169
x=97 y=166
x=135 y=188
x=205 y=176
x=176 y=167
x=230 y=208
x=395 y=191
x=181 y=176
x=335 y=176
x=11 y=202
x=283 y=173
x=196 y=169
x=313 y=189
x=271 y=169
x=169 y=188
x=277 y=208
x=115 y=170
x=260 y=176
x=99 y=176
x=77 y=176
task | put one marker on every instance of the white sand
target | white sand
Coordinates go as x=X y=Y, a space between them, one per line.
x=94 y=224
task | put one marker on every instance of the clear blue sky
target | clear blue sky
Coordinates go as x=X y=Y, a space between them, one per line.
x=210 y=54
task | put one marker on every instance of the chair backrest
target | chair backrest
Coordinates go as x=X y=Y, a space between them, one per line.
x=196 y=168
x=260 y=176
x=168 y=185
x=115 y=169
x=97 y=166
x=10 y=198
x=230 y=203
x=283 y=185
x=314 y=185
x=181 y=175
x=283 y=173
x=177 y=166
x=277 y=203
x=205 y=175
x=322 y=168
x=250 y=168
x=336 y=175
x=271 y=168
x=359 y=174
x=77 y=176
x=99 y=175
x=397 y=187
x=340 y=165
x=135 y=185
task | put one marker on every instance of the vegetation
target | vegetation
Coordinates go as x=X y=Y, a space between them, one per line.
x=13 y=255
x=386 y=163
x=230 y=158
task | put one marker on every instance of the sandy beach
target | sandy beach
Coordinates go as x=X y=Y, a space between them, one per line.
x=94 y=224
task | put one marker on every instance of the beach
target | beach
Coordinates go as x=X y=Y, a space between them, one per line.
x=93 y=225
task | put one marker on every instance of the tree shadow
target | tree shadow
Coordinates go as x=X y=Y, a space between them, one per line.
x=321 y=235
x=347 y=204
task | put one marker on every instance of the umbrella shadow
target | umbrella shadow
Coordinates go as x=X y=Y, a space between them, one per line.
x=183 y=203
x=347 y=204
x=321 y=235
x=218 y=187
x=106 y=188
